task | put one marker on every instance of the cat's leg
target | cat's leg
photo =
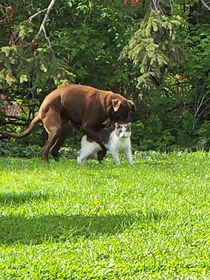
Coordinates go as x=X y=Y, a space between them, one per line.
x=115 y=155
x=80 y=158
x=128 y=153
x=128 y=156
x=88 y=149
x=86 y=153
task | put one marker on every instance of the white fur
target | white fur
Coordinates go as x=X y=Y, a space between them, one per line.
x=119 y=142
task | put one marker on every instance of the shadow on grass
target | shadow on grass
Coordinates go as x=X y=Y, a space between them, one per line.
x=58 y=228
x=39 y=229
x=36 y=230
x=13 y=198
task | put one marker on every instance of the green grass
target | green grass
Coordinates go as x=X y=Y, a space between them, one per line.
x=102 y=221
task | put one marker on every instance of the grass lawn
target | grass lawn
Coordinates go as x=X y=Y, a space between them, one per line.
x=102 y=221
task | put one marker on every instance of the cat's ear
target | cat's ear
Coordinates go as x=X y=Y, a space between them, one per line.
x=133 y=107
x=128 y=127
x=116 y=124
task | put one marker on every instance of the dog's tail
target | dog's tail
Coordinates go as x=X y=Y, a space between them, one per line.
x=26 y=132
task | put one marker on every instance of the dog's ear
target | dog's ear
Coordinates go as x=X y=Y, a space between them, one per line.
x=133 y=107
x=116 y=104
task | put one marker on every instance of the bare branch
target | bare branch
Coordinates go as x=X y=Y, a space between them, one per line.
x=31 y=17
x=42 y=26
x=157 y=6
x=204 y=3
x=48 y=40
x=1 y=6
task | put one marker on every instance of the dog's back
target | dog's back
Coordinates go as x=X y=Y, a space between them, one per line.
x=115 y=139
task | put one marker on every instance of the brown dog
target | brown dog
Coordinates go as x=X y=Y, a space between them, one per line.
x=85 y=107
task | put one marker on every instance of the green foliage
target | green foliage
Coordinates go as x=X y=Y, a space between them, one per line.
x=91 y=40
x=102 y=221
x=94 y=39
x=153 y=46
x=172 y=53
x=34 y=70
x=13 y=149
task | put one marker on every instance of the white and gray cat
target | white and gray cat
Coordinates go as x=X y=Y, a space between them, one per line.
x=116 y=140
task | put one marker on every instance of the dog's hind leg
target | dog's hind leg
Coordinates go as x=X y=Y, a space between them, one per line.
x=53 y=125
x=53 y=137
x=66 y=130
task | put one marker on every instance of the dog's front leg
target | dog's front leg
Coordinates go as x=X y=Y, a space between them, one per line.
x=100 y=156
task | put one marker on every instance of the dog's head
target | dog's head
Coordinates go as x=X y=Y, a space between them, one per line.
x=119 y=108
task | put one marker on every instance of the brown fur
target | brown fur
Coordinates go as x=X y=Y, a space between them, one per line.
x=85 y=107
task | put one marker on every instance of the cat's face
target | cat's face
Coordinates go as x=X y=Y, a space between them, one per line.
x=123 y=130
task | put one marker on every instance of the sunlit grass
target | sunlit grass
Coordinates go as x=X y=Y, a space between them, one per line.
x=102 y=221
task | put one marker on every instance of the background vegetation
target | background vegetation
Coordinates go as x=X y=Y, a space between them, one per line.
x=154 y=52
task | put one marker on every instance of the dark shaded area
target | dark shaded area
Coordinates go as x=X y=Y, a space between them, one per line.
x=35 y=230
x=38 y=229
x=16 y=199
